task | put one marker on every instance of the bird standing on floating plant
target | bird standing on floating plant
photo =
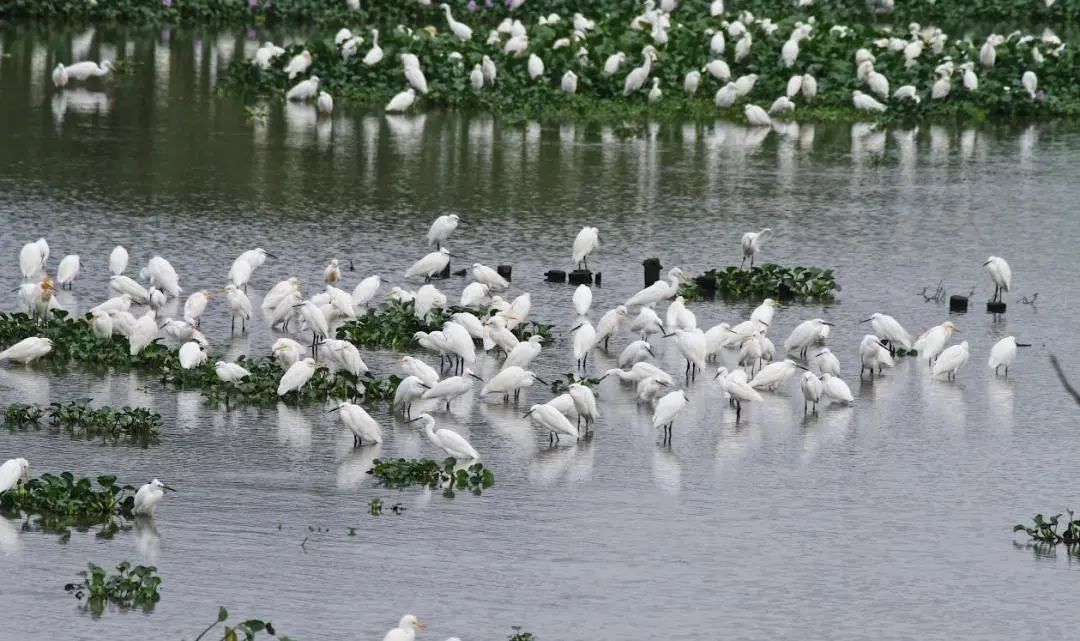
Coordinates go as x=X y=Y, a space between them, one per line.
x=299 y=64
x=752 y=243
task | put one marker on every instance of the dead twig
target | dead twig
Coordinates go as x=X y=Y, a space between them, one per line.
x=1064 y=381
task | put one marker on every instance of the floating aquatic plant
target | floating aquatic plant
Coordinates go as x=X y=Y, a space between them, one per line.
x=62 y=501
x=769 y=280
x=558 y=386
x=246 y=630
x=131 y=586
x=519 y=635
x=1048 y=530
x=399 y=473
x=77 y=417
x=393 y=325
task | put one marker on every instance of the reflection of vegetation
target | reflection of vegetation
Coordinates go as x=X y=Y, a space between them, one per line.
x=61 y=501
x=256 y=113
x=1048 y=529
x=77 y=417
x=766 y=280
x=392 y=325
x=398 y=473
x=129 y=587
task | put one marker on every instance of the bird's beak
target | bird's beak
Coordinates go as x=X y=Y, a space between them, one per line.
x=666 y=335
x=717 y=375
x=540 y=379
x=168 y=488
x=764 y=323
x=866 y=320
x=526 y=414
x=420 y=624
x=334 y=410
x=828 y=323
x=956 y=329
x=649 y=350
x=664 y=383
x=476 y=377
x=271 y=255
x=802 y=367
x=1023 y=344
x=986 y=263
x=413 y=420
x=577 y=328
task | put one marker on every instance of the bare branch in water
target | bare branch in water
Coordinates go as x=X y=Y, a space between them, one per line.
x=1064 y=381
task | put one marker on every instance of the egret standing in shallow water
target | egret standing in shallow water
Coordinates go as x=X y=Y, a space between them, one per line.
x=933 y=341
x=951 y=360
x=873 y=355
x=449 y=441
x=405 y=630
x=549 y=418
x=452 y=387
x=1003 y=353
x=430 y=265
x=887 y=328
x=812 y=389
x=1000 y=273
x=27 y=350
x=667 y=408
x=359 y=423
x=146 y=499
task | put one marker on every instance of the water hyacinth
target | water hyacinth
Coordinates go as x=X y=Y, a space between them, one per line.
x=769 y=280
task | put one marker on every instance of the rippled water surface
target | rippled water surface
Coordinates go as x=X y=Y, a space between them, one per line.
x=891 y=519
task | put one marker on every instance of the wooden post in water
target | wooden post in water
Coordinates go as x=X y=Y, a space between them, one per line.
x=652 y=270
x=958 y=303
x=505 y=271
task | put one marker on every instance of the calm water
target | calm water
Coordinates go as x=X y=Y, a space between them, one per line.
x=890 y=519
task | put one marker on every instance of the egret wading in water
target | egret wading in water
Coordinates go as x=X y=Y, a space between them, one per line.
x=549 y=418
x=359 y=423
x=148 y=496
x=812 y=389
x=1003 y=353
x=667 y=408
x=449 y=441
x=951 y=360
x=888 y=329
x=405 y=630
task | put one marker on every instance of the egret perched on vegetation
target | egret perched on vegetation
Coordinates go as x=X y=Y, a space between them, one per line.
x=359 y=423
x=325 y=103
x=635 y=80
x=405 y=630
x=298 y=64
x=11 y=471
x=461 y=30
x=191 y=355
x=549 y=418
x=148 y=496
x=1000 y=273
x=304 y=90
x=757 y=117
x=752 y=243
x=667 y=408
x=297 y=376
x=951 y=360
x=449 y=441
x=27 y=350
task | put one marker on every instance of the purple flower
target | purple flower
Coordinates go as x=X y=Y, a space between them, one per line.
x=167 y=3
x=471 y=6
x=253 y=3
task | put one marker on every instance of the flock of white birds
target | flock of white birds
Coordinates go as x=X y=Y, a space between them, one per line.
x=286 y=308
x=731 y=41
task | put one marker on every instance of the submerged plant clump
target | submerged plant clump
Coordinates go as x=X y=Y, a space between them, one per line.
x=1047 y=530
x=131 y=586
x=769 y=280
x=78 y=417
x=399 y=473
x=394 y=325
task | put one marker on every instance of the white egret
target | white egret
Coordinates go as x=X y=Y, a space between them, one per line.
x=549 y=417
x=475 y=295
x=418 y=368
x=535 y=66
x=745 y=84
x=163 y=276
x=366 y=290
x=342 y=355
x=951 y=360
x=658 y=291
x=483 y=274
x=752 y=242
x=27 y=350
x=476 y=78
x=584 y=340
x=325 y=103
x=1000 y=273
x=691 y=345
x=488 y=68
x=804 y=335
x=191 y=355
x=809 y=86
x=408 y=390
x=635 y=80
x=143 y=333
x=101 y=324
x=639 y=372
x=455 y=445
x=148 y=496
x=405 y=630
x=1030 y=82
x=359 y=423
x=756 y=116
x=239 y=306
x=812 y=389
x=738 y=389
x=667 y=408
x=655 y=94
x=878 y=83
x=774 y=374
x=498 y=334
x=635 y=352
x=524 y=353
x=827 y=363
x=67 y=270
x=59 y=75
x=613 y=62
x=586 y=242
x=691 y=82
x=195 y=305
x=836 y=389
x=794 y=86
x=304 y=90
x=461 y=30
x=1003 y=353
x=452 y=387
x=511 y=379
x=646 y=323
x=286 y=351
x=297 y=376
x=726 y=96
x=864 y=102
x=124 y=285
x=374 y=55
x=470 y=323
x=430 y=265
x=889 y=329
x=610 y=324
x=941 y=87
x=31 y=260
x=907 y=92
x=401 y=101
x=298 y=64
x=873 y=355
x=933 y=340
x=714 y=338
x=86 y=69
x=584 y=403
x=441 y=228
x=11 y=471
x=781 y=105
x=118 y=260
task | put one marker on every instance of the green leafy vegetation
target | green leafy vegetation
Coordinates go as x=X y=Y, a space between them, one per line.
x=59 y=502
x=399 y=473
x=77 y=417
x=393 y=325
x=1052 y=530
x=247 y=630
x=518 y=635
x=75 y=343
x=558 y=386
x=131 y=586
x=769 y=280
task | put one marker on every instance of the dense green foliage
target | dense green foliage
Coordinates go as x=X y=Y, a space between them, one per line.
x=390 y=12
x=769 y=280
x=399 y=473
x=393 y=325
x=131 y=586
x=59 y=502
x=1048 y=530
x=247 y=630
x=77 y=417
x=827 y=54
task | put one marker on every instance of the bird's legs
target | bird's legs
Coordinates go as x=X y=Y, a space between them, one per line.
x=738 y=410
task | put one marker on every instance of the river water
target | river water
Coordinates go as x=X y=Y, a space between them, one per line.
x=889 y=519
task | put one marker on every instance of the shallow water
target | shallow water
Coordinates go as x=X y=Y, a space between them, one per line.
x=892 y=518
